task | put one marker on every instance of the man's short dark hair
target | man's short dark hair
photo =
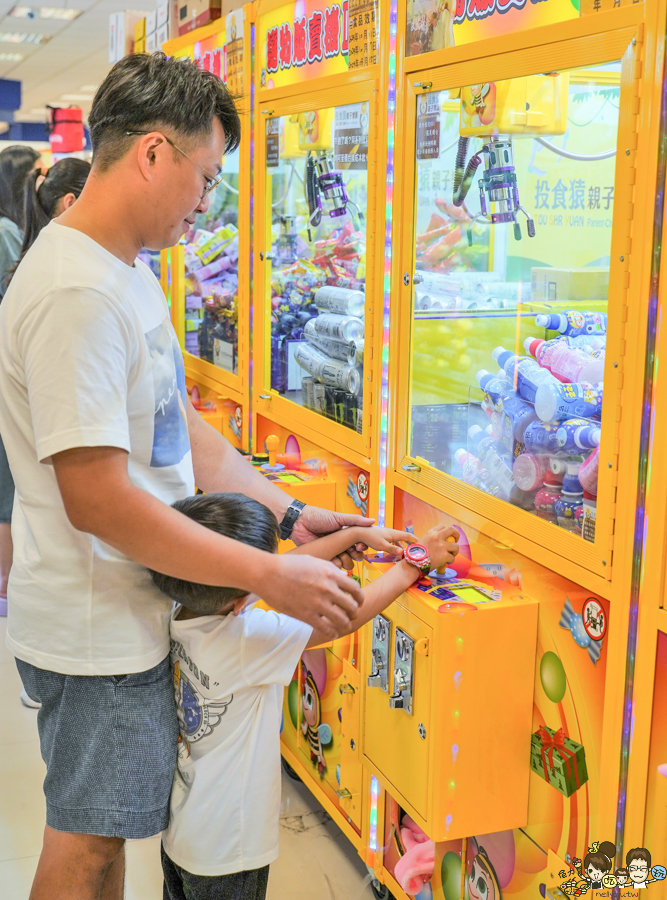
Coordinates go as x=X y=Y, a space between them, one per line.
x=638 y=853
x=232 y=515
x=151 y=92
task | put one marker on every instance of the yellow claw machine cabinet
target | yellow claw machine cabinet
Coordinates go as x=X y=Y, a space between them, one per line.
x=317 y=305
x=209 y=287
x=524 y=266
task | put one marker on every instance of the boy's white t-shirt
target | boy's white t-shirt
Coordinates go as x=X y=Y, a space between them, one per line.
x=229 y=678
x=88 y=358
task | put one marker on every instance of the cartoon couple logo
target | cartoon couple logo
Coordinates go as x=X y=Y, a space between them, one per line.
x=596 y=871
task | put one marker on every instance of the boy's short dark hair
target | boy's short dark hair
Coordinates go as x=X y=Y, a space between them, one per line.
x=149 y=92
x=232 y=515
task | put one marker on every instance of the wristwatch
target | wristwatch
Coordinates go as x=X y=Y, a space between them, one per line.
x=417 y=556
x=289 y=519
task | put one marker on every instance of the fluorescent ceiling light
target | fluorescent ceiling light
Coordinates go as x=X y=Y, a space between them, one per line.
x=76 y=97
x=10 y=57
x=45 y=12
x=88 y=88
x=15 y=37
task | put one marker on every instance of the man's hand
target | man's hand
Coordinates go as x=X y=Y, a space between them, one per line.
x=315 y=591
x=315 y=522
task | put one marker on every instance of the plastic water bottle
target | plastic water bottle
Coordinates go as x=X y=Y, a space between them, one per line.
x=575 y=435
x=588 y=473
x=519 y=414
x=547 y=496
x=529 y=471
x=491 y=385
x=471 y=467
x=530 y=375
x=341 y=301
x=340 y=328
x=494 y=457
x=556 y=401
x=569 y=508
x=567 y=363
x=331 y=372
x=541 y=438
x=573 y=323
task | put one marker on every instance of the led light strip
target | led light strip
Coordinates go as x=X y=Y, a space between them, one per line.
x=248 y=412
x=643 y=478
x=384 y=385
x=373 y=831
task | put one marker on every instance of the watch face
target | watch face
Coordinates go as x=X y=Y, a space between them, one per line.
x=416 y=553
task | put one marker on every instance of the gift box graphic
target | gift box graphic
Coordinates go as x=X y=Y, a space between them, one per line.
x=558 y=759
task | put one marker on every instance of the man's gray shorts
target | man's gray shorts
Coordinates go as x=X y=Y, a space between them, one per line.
x=110 y=745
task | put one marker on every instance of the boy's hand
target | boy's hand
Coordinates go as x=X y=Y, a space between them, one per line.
x=387 y=539
x=441 y=549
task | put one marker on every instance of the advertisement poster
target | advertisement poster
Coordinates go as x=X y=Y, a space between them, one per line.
x=303 y=40
x=440 y=24
x=234 y=52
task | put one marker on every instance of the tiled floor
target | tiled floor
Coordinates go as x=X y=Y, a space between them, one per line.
x=316 y=860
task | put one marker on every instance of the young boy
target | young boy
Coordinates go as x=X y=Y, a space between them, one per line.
x=229 y=675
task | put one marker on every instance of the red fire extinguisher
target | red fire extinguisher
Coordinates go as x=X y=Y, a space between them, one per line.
x=66 y=129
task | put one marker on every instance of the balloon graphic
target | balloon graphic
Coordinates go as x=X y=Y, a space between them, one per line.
x=293 y=702
x=451 y=875
x=552 y=676
x=659 y=873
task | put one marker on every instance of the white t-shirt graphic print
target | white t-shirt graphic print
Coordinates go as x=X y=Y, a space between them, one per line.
x=88 y=358
x=230 y=673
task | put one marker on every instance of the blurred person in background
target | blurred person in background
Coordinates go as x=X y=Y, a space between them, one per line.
x=48 y=193
x=16 y=163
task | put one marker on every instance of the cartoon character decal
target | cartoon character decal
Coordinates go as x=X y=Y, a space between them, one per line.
x=482 y=882
x=595 y=873
x=311 y=711
x=478 y=104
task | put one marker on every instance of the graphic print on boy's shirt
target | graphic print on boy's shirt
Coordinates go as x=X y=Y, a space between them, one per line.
x=197 y=716
x=171 y=440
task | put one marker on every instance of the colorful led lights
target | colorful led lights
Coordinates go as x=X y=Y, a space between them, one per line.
x=373 y=835
x=389 y=199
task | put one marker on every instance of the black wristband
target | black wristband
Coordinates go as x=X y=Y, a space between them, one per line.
x=289 y=519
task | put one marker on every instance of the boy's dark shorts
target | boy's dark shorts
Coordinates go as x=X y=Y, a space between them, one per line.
x=181 y=885
x=109 y=743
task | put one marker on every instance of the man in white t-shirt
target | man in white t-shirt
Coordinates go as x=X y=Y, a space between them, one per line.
x=101 y=437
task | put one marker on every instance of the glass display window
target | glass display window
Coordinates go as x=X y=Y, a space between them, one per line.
x=316 y=171
x=516 y=183
x=211 y=275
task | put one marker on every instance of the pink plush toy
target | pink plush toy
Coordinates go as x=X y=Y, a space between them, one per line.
x=415 y=868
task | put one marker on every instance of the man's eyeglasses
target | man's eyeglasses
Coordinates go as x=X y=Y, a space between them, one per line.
x=211 y=183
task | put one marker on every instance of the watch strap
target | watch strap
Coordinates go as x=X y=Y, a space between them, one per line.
x=289 y=519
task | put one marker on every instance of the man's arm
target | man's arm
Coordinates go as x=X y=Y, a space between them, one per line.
x=219 y=467
x=100 y=499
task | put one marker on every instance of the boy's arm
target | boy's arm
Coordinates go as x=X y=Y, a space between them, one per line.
x=377 y=596
x=332 y=545
x=390 y=585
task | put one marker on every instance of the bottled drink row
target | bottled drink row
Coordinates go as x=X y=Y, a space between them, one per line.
x=540 y=449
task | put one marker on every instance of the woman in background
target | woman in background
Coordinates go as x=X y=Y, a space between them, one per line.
x=44 y=197
x=16 y=163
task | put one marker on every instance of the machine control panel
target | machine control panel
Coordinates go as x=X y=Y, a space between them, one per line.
x=379 y=676
x=404 y=653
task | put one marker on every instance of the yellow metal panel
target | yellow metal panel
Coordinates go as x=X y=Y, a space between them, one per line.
x=350 y=757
